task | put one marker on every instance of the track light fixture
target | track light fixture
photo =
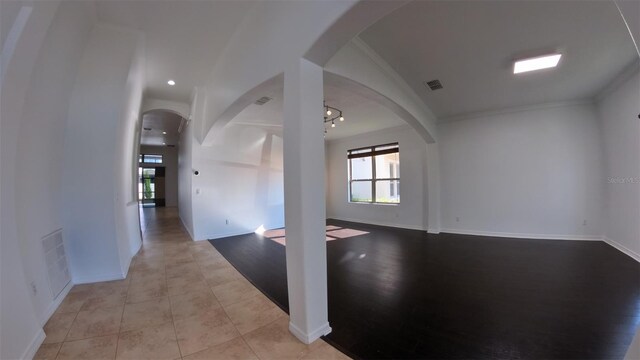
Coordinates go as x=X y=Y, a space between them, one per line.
x=328 y=118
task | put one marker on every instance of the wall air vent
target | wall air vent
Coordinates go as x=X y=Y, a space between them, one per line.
x=433 y=84
x=148 y=129
x=263 y=100
x=56 y=261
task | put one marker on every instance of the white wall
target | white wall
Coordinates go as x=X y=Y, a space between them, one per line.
x=150 y=104
x=358 y=62
x=260 y=47
x=620 y=126
x=411 y=212
x=185 y=173
x=370 y=76
x=39 y=64
x=240 y=181
x=170 y=163
x=98 y=218
x=185 y=160
x=40 y=150
x=127 y=143
x=531 y=173
x=20 y=329
x=70 y=94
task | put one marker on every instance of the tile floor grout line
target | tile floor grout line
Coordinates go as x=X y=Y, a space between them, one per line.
x=58 y=352
x=173 y=324
x=69 y=329
x=92 y=337
x=196 y=257
x=249 y=346
x=123 y=308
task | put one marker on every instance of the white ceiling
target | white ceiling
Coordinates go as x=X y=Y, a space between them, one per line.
x=159 y=121
x=361 y=114
x=470 y=45
x=183 y=39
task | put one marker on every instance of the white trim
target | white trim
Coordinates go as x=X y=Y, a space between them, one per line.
x=617 y=81
x=381 y=223
x=185 y=227
x=33 y=347
x=224 y=235
x=433 y=231
x=182 y=109
x=394 y=76
x=12 y=39
x=524 y=235
x=125 y=269
x=634 y=255
x=626 y=23
x=98 y=278
x=55 y=303
x=134 y=252
x=323 y=330
x=385 y=131
x=515 y=109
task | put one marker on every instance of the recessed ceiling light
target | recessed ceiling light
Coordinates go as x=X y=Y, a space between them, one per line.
x=164 y=143
x=536 y=63
x=171 y=82
x=164 y=133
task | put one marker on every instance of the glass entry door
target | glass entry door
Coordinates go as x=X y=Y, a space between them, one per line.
x=147 y=186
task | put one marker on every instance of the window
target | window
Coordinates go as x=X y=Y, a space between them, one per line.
x=150 y=159
x=374 y=174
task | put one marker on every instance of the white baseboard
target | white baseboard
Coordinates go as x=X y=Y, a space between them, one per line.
x=186 y=227
x=324 y=329
x=31 y=351
x=55 y=303
x=98 y=278
x=634 y=255
x=433 y=231
x=127 y=267
x=524 y=235
x=402 y=226
x=224 y=235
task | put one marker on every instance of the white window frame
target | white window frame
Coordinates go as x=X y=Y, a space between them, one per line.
x=372 y=153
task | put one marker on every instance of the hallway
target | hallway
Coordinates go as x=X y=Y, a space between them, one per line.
x=181 y=300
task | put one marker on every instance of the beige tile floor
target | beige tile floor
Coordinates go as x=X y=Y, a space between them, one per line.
x=180 y=300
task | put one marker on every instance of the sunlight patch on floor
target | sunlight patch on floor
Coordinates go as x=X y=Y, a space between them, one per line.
x=333 y=233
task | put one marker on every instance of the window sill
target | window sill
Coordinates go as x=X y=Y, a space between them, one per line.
x=372 y=203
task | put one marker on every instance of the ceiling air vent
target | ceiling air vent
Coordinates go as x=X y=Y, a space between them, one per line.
x=263 y=100
x=433 y=84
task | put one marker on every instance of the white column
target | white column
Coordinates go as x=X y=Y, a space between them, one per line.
x=433 y=188
x=304 y=199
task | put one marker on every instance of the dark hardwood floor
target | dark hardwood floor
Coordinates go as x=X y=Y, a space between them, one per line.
x=396 y=293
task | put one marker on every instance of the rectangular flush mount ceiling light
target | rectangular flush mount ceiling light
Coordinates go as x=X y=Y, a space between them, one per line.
x=536 y=63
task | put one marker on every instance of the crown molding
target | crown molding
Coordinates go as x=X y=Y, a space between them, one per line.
x=398 y=128
x=359 y=44
x=617 y=81
x=515 y=109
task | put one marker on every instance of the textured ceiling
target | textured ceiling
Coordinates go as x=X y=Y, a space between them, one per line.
x=159 y=121
x=361 y=115
x=470 y=45
x=183 y=39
